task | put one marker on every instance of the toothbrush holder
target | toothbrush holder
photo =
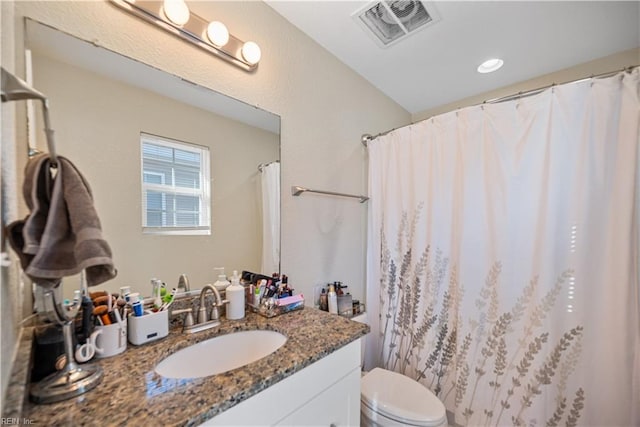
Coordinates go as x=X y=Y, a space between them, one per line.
x=148 y=327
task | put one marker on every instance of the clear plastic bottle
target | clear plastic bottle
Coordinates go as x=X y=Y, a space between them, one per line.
x=235 y=296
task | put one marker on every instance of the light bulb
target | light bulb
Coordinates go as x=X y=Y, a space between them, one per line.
x=251 y=52
x=490 y=65
x=176 y=11
x=217 y=33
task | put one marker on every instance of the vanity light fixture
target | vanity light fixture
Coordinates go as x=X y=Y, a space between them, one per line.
x=174 y=16
x=176 y=11
x=251 y=52
x=217 y=33
x=490 y=65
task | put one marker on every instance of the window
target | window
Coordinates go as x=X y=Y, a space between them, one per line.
x=175 y=187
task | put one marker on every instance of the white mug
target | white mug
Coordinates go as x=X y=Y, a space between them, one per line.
x=111 y=339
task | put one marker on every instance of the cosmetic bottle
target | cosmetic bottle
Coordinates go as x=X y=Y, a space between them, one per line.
x=222 y=283
x=333 y=300
x=256 y=297
x=235 y=295
x=324 y=302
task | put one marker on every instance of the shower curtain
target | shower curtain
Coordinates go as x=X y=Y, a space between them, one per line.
x=270 y=179
x=503 y=255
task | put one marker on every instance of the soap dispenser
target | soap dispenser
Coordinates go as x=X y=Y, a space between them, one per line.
x=222 y=283
x=235 y=296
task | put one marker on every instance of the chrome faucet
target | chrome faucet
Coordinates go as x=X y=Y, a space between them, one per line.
x=183 y=283
x=202 y=311
x=204 y=320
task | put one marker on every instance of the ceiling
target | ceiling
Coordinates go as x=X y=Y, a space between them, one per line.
x=437 y=64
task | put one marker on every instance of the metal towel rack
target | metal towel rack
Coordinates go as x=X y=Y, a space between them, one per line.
x=297 y=190
x=15 y=89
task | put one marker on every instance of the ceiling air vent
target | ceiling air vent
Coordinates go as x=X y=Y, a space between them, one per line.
x=391 y=21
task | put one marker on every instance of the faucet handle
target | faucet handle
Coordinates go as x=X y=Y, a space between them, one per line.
x=188 y=319
x=202 y=315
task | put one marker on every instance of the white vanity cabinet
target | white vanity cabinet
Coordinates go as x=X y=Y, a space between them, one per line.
x=326 y=393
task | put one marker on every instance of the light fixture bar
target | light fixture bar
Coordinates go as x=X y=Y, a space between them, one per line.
x=194 y=30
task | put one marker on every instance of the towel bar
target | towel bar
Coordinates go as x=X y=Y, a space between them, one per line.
x=297 y=190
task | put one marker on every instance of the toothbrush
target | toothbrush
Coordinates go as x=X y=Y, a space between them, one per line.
x=168 y=303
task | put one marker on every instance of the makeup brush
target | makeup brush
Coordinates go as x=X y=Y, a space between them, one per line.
x=95 y=294
x=103 y=313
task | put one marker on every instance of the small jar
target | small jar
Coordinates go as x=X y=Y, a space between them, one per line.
x=356 y=307
x=324 y=301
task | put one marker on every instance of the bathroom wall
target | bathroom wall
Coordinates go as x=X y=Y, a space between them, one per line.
x=609 y=63
x=324 y=108
x=107 y=151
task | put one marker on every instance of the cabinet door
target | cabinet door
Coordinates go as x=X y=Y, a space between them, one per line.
x=267 y=408
x=338 y=405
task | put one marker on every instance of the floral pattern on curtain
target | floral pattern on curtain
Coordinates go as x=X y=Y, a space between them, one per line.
x=503 y=254
x=463 y=360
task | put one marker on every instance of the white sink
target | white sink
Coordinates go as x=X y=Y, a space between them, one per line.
x=220 y=354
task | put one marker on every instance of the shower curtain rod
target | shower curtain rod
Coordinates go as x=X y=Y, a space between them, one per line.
x=263 y=165
x=367 y=137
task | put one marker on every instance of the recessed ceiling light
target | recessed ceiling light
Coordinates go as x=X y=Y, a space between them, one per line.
x=490 y=65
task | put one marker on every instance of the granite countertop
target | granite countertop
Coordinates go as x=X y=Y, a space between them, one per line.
x=131 y=391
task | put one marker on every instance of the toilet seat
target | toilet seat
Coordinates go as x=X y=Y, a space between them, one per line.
x=401 y=399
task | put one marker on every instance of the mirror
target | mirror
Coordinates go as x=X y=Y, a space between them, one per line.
x=100 y=104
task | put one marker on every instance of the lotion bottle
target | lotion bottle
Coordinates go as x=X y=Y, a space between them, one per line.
x=235 y=296
x=222 y=283
x=333 y=300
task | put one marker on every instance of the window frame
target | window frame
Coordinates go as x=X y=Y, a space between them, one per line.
x=203 y=194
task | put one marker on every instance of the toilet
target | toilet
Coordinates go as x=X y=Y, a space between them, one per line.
x=388 y=398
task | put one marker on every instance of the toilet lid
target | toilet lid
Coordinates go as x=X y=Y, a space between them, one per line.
x=401 y=398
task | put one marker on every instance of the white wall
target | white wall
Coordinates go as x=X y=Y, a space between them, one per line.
x=324 y=108
x=609 y=63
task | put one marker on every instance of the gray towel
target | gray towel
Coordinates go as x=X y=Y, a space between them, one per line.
x=62 y=235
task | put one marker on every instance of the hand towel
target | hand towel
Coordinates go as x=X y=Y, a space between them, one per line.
x=62 y=234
